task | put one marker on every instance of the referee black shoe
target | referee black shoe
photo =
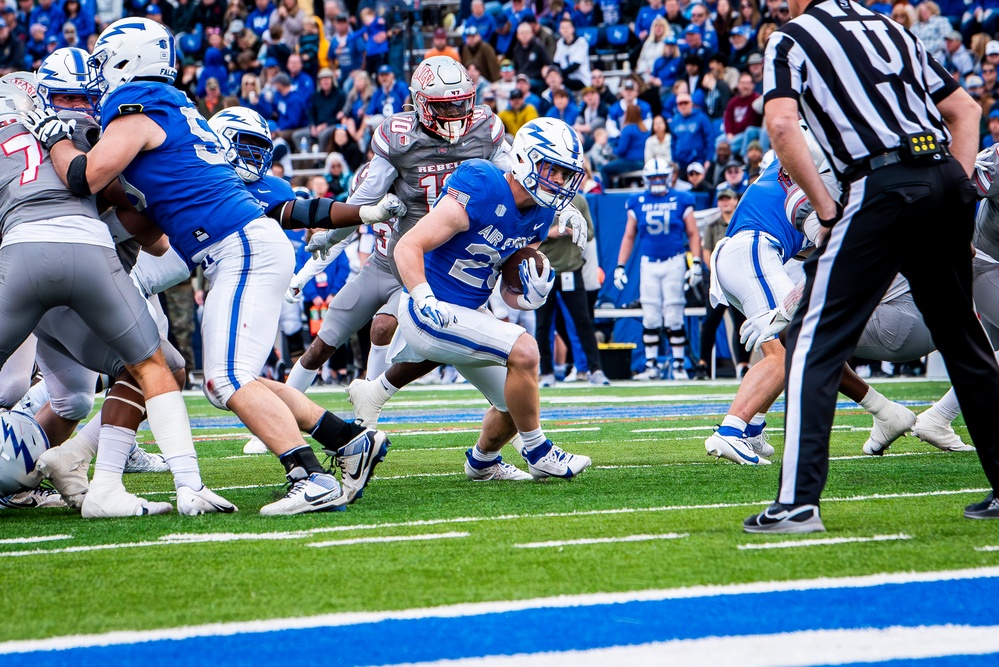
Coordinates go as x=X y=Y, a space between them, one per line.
x=785 y=519
x=987 y=509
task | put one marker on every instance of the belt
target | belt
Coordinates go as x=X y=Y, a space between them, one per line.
x=886 y=159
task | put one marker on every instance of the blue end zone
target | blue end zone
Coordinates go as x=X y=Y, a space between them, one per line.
x=960 y=602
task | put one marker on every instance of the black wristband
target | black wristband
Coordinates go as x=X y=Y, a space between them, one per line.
x=829 y=223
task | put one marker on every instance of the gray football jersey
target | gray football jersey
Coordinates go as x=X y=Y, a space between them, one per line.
x=422 y=161
x=30 y=189
x=986 y=181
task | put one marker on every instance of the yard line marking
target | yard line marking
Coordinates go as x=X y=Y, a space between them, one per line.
x=601 y=540
x=37 y=538
x=666 y=429
x=483 y=608
x=987 y=548
x=420 y=474
x=388 y=538
x=790 y=544
x=217 y=488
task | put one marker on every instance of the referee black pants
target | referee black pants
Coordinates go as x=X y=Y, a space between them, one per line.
x=576 y=303
x=917 y=220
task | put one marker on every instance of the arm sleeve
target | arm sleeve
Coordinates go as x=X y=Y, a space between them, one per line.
x=379 y=178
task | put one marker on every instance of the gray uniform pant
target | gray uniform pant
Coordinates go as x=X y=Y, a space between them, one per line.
x=895 y=332
x=358 y=301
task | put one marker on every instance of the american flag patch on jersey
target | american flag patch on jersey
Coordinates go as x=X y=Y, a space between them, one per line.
x=460 y=197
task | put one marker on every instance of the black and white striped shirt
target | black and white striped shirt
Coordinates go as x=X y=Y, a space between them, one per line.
x=862 y=81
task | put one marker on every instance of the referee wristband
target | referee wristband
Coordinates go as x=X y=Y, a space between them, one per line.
x=829 y=223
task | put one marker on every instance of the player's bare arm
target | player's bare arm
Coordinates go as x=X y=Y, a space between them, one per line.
x=443 y=221
x=693 y=236
x=628 y=241
x=962 y=115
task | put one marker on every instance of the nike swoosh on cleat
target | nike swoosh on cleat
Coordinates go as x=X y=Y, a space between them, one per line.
x=751 y=459
x=312 y=499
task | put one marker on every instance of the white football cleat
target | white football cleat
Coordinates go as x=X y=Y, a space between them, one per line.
x=319 y=492
x=67 y=470
x=894 y=422
x=114 y=501
x=202 y=501
x=650 y=373
x=255 y=446
x=934 y=430
x=736 y=450
x=571 y=376
x=495 y=470
x=368 y=399
x=139 y=460
x=546 y=380
x=39 y=498
x=761 y=444
x=357 y=460
x=677 y=370
x=549 y=460
x=598 y=378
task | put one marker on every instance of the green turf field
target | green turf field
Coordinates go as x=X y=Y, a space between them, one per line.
x=651 y=481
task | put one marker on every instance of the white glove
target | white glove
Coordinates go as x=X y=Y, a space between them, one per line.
x=620 y=277
x=389 y=207
x=321 y=243
x=294 y=293
x=572 y=218
x=762 y=328
x=537 y=283
x=695 y=274
x=432 y=311
x=48 y=128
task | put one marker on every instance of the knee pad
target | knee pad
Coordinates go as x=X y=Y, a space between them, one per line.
x=677 y=336
x=73 y=407
x=219 y=390
x=650 y=336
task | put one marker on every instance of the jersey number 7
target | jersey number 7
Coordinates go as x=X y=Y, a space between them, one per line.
x=32 y=154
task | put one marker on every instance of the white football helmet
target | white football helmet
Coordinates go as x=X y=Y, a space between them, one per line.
x=544 y=147
x=129 y=49
x=814 y=149
x=22 y=441
x=13 y=100
x=245 y=140
x=65 y=72
x=444 y=97
x=26 y=81
x=658 y=175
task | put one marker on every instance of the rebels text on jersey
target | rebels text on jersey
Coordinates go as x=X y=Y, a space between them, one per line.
x=464 y=270
x=761 y=209
x=423 y=161
x=185 y=184
x=661 y=231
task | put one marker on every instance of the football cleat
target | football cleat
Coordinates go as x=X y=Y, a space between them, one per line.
x=202 y=501
x=495 y=470
x=987 y=509
x=546 y=380
x=651 y=372
x=785 y=519
x=139 y=460
x=67 y=470
x=112 y=501
x=934 y=430
x=895 y=421
x=357 y=460
x=548 y=460
x=761 y=444
x=571 y=376
x=318 y=492
x=255 y=446
x=34 y=499
x=734 y=449
x=677 y=370
x=368 y=399
x=598 y=378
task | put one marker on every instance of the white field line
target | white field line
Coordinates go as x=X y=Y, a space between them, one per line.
x=483 y=608
x=37 y=538
x=987 y=548
x=601 y=540
x=389 y=538
x=796 y=649
x=569 y=400
x=667 y=429
x=791 y=544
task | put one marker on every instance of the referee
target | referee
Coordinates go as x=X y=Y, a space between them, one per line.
x=902 y=138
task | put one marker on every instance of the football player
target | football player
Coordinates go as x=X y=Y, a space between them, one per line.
x=663 y=221
x=154 y=138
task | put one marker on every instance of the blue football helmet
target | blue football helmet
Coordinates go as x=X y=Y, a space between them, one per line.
x=543 y=149
x=246 y=141
x=65 y=72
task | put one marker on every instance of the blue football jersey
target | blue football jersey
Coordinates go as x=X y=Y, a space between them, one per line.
x=271 y=191
x=187 y=186
x=761 y=209
x=661 y=231
x=464 y=270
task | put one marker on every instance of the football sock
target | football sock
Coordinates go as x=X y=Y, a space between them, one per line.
x=333 y=433
x=755 y=425
x=732 y=426
x=873 y=402
x=485 y=457
x=384 y=387
x=650 y=337
x=86 y=438
x=301 y=457
x=300 y=377
x=115 y=444
x=947 y=406
x=532 y=439
x=168 y=420
x=377 y=361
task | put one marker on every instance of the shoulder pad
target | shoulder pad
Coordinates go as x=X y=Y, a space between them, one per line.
x=395 y=134
x=496 y=128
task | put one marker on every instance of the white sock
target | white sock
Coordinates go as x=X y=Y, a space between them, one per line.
x=36 y=397
x=532 y=439
x=734 y=422
x=873 y=401
x=760 y=418
x=382 y=383
x=300 y=377
x=167 y=416
x=378 y=361
x=115 y=445
x=677 y=351
x=87 y=437
x=485 y=457
x=947 y=406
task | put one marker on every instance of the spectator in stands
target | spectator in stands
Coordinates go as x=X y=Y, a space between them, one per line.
x=481 y=20
x=652 y=47
x=301 y=82
x=481 y=85
x=309 y=44
x=742 y=123
x=546 y=38
x=754 y=65
x=699 y=16
x=49 y=15
x=611 y=11
x=692 y=133
x=187 y=79
x=693 y=44
x=904 y=14
x=572 y=55
x=518 y=113
x=81 y=19
x=749 y=15
x=718 y=65
x=346 y=52
x=250 y=96
x=693 y=68
x=742 y=46
x=376 y=36
x=990 y=79
x=24 y=8
x=592 y=115
x=342 y=143
x=388 y=98
x=211 y=102
x=723 y=19
x=563 y=107
x=993 y=136
x=292 y=110
x=213 y=13
x=715 y=173
x=214 y=69
x=291 y=18
x=598 y=83
x=506 y=27
x=17 y=30
x=186 y=16
x=34 y=49
x=630 y=149
x=601 y=152
x=337 y=176
x=629 y=96
x=529 y=56
x=553 y=82
x=324 y=106
x=506 y=84
x=980 y=17
x=754 y=156
x=584 y=15
x=68 y=37
x=697 y=180
x=778 y=13
x=976 y=89
x=931 y=28
x=716 y=97
x=476 y=51
x=666 y=68
x=735 y=177
x=440 y=47
x=957 y=56
x=553 y=14
x=259 y=20
x=659 y=143
x=646 y=15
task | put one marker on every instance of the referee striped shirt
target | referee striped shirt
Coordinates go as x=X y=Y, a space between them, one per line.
x=863 y=82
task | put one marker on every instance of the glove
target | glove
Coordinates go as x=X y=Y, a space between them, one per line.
x=429 y=309
x=48 y=128
x=389 y=207
x=760 y=329
x=537 y=283
x=620 y=277
x=571 y=217
x=321 y=243
x=695 y=273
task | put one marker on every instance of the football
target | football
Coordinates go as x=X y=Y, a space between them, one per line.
x=511 y=268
